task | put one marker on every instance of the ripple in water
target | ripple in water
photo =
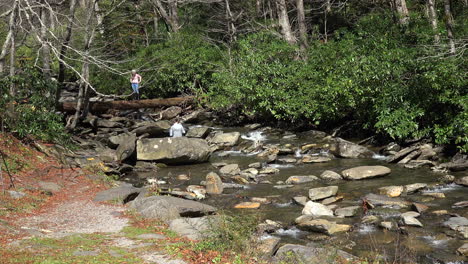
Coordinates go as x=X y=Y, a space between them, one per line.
x=280 y=166
x=366 y=229
x=442 y=243
x=293 y=232
x=443 y=188
x=255 y=136
x=379 y=157
x=283 y=204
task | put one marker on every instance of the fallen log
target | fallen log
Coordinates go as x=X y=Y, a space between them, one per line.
x=99 y=107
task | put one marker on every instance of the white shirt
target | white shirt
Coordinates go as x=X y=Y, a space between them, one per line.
x=177 y=130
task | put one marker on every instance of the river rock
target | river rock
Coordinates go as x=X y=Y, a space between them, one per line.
x=267 y=245
x=183 y=177
x=463 y=250
x=171 y=112
x=179 y=150
x=391 y=191
x=251 y=171
x=435 y=194
x=121 y=194
x=268 y=171
x=314 y=159
x=126 y=149
x=411 y=188
x=231 y=169
x=107 y=123
x=420 y=207
x=307 y=222
x=291 y=253
x=115 y=141
x=239 y=179
x=330 y=175
x=385 y=201
x=346 y=149
x=401 y=154
x=195 y=228
x=301 y=179
x=462 y=181
x=461 y=204
x=331 y=200
x=414 y=164
x=300 y=200
x=411 y=214
x=198 y=132
x=256 y=165
x=225 y=139
x=262 y=200
x=153 y=129
x=322 y=192
x=287 y=160
x=387 y=225
x=316 y=209
x=157 y=206
x=347 y=211
x=446 y=178
x=214 y=185
x=247 y=205
x=411 y=221
x=364 y=172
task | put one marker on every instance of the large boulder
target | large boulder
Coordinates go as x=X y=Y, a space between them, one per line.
x=316 y=209
x=153 y=129
x=364 y=172
x=225 y=139
x=309 y=223
x=462 y=181
x=195 y=228
x=173 y=150
x=115 y=141
x=322 y=192
x=346 y=149
x=291 y=253
x=170 y=207
x=198 y=132
x=126 y=148
x=171 y=112
x=120 y=194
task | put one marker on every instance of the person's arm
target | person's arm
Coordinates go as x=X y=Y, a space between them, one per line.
x=139 y=78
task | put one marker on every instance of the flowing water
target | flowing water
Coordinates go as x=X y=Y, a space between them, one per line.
x=432 y=243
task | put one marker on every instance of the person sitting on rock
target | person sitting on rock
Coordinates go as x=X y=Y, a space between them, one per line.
x=177 y=130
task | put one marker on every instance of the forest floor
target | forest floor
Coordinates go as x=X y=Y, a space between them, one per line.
x=49 y=217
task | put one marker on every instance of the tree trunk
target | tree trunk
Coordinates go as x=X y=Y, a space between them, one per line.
x=13 y=90
x=449 y=26
x=433 y=19
x=401 y=10
x=63 y=50
x=155 y=23
x=258 y=8
x=45 y=46
x=171 y=17
x=100 y=107
x=301 y=24
x=10 y=34
x=231 y=28
x=284 y=21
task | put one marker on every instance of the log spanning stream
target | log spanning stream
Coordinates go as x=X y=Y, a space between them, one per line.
x=430 y=243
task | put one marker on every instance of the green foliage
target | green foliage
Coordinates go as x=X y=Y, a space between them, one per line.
x=31 y=112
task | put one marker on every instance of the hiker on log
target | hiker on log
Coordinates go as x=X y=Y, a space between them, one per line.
x=135 y=80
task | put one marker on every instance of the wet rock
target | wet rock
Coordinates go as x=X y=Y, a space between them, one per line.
x=411 y=188
x=411 y=214
x=401 y=154
x=307 y=222
x=152 y=129
x=194 y=228
x=314 y=159
x=291 y=253
x=347 y=211
x=219 y=164
x=300 y=200
x=261 y=200
x=198 y=132
x=287 y=160
x=411 y=221
x=115 y=141
x=385 y=201
x=331 y=200
x=330 y=175
x=267 y=245
x=316 y=209
x=171 y=112
x=247 y=205
x=322 y=192
x=253 y=126
x=16 y=195
x=183 y=177
x=461 y=204
x=256 y=165
x=446 y=178
x=231 y=169
x=391 y=149
x=414 y=164
x=51 y=187
x=346 y=149
x=121 y=194
x=233 y=186
x=214 y=185
x=126 y=148
x=364 y=172
x=153 y=206
x=301 y=179
x=420 y=207
x=252 y=171
x=391 y=191
x=409 y=157
x=268 y=226
x=463 y=250
x=369 y=219
x=435 y=194
x=179 y=150
x=387 y=225
x=462 y=181
x=225 y=139
x=268 y=171
x=284 y=186
x=240 y=179
x=199 y=191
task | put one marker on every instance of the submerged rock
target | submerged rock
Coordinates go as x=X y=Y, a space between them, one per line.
x=322 y=192
x=301 y=179
x=173 y=150
x=314 y=159
x=364 y=172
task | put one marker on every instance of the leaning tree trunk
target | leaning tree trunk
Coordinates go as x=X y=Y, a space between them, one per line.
x=63 y=50
x=284 y=21
x=301 y=24
x=449 y=26
x=433 y=19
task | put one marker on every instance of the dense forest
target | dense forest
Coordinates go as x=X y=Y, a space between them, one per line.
x=395 y=68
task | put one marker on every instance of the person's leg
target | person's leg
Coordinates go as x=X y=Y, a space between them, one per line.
x=135 y=90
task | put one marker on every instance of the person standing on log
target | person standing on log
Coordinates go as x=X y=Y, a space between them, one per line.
x=135 y=80
x=177 y=130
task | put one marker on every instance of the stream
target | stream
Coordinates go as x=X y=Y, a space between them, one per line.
x=432 y=243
